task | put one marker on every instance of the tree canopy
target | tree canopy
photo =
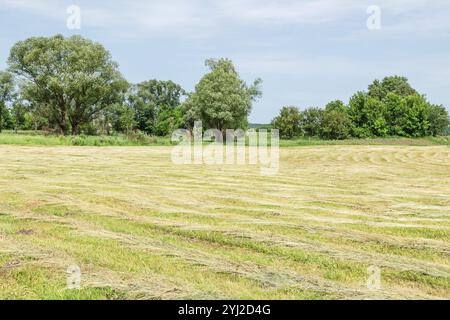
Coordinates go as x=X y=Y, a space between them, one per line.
x=394 y=84
x=221 y=99
x=6 y=95
x=390 y=107
x=69 y=79
x=288 y=122
x=156 y=105
x=72 y=85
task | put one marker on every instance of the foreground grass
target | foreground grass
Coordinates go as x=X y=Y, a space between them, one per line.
x=140 y=227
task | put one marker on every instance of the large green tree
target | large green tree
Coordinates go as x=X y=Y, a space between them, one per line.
x=6 y=95
x=154 y=101
x=70 y=79
x=222 y=100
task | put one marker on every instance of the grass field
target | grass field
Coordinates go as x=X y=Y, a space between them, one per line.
x=30 y=138
x=140 y=227
x=26 y=138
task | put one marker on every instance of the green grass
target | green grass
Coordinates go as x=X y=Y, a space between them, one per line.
x=39 y=138
x=141 y=227
x=428 y=141
x=28 y=138
x=27 y=282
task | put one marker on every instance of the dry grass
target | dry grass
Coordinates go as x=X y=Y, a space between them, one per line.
x=141 y=227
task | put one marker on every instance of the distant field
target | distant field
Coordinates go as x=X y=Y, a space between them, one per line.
x=30 y=138
x=141 y=227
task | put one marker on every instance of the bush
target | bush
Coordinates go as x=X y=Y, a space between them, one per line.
x=311 y=121
x=336 y=125
x=439 y=120
x=288 y=122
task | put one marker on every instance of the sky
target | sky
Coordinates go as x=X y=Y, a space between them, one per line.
x=308 y=52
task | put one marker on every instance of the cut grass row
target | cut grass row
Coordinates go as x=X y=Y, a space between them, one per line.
x=142 y=227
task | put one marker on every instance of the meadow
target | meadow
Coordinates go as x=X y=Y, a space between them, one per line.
x=40 y=138
x=140 y=227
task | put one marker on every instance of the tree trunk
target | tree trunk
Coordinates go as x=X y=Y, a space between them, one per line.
x=75 y=129
x=64 y=130
x=64 y=127
x=63 y=118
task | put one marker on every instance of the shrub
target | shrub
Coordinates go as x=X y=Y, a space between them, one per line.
x=336 y=125
x=288 y=122
x=311 y=121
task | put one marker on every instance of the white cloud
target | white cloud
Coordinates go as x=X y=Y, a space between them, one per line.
x=287 y=12
x=47 y=8
x=203 y=17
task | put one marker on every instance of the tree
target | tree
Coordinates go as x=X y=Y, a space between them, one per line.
x=19 y=113
x=395 y=84
x=396 y=110
x=407 y=116
x=416 y=117
x=368 y=116
x=70 y=79
x=221 y=99
x=376 y=124
x=438 y=119
x=358 y=114
x=7 y=119
x=311 y=121
x=121 y=117
x=336 y=105
x=288 y=122
x=169 y=120
x=336 y=125
x=149 y=98
x=6 y=95
x=390 y=107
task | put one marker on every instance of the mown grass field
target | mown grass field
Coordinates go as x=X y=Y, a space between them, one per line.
x=141 y=227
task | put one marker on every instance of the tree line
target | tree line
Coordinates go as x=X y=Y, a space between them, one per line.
x=72 y=86
x=390 y=107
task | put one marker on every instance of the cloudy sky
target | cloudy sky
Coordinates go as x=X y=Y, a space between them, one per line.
x=308 y=52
